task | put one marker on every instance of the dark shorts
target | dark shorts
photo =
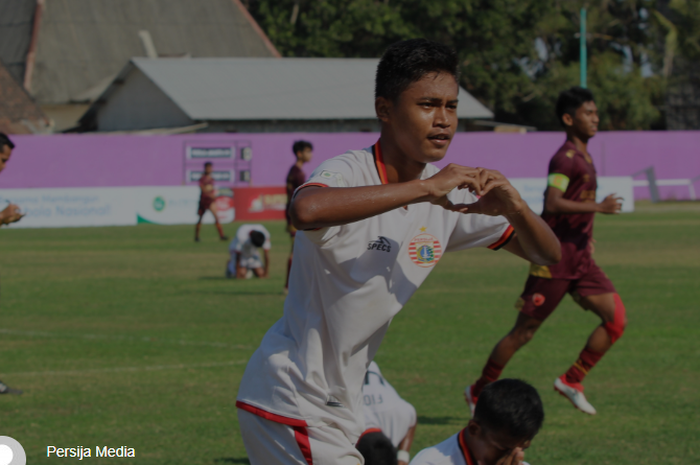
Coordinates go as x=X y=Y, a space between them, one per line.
x=542 y=295
x=204 y=204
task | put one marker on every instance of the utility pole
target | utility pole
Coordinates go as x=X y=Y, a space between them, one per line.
x=584 y=51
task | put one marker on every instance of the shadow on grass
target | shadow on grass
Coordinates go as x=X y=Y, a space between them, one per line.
x=423 y=420
x=231 y=460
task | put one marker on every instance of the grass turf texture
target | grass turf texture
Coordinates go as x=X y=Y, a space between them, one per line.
x=131 y=336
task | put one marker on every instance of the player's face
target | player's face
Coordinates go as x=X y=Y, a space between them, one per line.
x=423 y=119
x=208 y=169
x=585 y=121
x=306 y=155
x=490 y=447
x=4 y=156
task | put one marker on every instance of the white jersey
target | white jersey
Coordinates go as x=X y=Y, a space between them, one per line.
x=452 y=451
x=241 y=243
x=384 y=408
x=346 y=284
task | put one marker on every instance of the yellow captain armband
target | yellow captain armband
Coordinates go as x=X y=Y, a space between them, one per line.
x=558 y=180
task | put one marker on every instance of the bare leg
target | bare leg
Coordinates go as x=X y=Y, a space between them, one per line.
x=212 y=209
x=523 y=331
x=198 y=227
x=259 y=272
x=406 y=442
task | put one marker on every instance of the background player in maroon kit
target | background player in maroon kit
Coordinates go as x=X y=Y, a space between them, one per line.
x=569 y=208
x=207 y=201
x=303 y=150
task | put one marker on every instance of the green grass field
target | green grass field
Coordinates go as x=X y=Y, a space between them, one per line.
x=131 y=336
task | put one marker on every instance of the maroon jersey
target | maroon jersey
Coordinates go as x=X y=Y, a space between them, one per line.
x=295 y=178
x=206 y=197
x=574 y=231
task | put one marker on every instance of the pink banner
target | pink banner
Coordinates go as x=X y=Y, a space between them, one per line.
x=241 y=160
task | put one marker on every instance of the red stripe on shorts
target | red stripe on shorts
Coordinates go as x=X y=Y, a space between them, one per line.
x=271 y=416
x=302 y=437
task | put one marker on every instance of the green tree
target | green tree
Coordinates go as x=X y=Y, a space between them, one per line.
x=516 y=55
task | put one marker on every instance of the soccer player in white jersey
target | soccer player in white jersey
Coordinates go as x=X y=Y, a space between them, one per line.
x=245 y=252
x=504 y=424
x=387 y=412
x=372 y=225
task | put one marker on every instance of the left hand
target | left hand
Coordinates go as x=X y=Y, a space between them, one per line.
x=592 y=245
x=498 y=196
x=514 y=458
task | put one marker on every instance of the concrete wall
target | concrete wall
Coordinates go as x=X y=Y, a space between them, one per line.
x=70 y=160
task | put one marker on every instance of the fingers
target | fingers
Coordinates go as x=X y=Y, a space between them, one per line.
x=514 y=458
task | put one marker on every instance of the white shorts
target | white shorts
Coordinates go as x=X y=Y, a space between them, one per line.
x=271 y=443
x=250 y=263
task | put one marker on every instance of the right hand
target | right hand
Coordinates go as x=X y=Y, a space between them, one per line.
x=11 y=214
x=514 y=458
x=451 y=176
x=611 y=205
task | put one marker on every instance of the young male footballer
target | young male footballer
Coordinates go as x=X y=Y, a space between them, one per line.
x=507 y=418
x=372 y=225
x=207 y=202
x=569 y=208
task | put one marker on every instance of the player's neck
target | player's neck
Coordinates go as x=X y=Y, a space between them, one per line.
x=581 y=143
x=399 y=167
x=299 y=163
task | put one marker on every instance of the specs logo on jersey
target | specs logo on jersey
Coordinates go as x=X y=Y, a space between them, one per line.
x=382 y=244
x=425 y=250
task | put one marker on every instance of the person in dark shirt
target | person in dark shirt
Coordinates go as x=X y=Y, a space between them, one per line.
x=569 y=208
x=207 y=201
x=303 y=151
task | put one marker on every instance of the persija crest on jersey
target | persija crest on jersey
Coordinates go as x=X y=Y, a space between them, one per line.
x=425 y=250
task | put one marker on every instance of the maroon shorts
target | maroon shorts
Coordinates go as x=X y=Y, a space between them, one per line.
x=204 y=204
x=542 y=295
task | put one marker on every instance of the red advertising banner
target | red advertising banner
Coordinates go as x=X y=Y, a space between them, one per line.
x=260 y=203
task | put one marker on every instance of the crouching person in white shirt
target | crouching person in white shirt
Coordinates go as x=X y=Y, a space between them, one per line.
x=387 y=412
x=507 y=417
x=245 y=249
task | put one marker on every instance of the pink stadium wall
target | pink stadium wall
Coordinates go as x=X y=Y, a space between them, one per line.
x=123 y=160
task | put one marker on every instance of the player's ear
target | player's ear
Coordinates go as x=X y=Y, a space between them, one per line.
x=382 y=106
x=567 y=119
x=474 y=429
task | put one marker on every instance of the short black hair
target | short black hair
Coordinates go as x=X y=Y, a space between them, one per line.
x=5 y=141
x=257 y=238
x=408 y=61
x=208 y=163
x=511 y=406
x=571 y=100
x=301 y=145
x=377 y=449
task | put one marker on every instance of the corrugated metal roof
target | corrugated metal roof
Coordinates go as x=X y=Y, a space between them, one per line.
x=84 y=42
x=16 y=19
x=281 y=88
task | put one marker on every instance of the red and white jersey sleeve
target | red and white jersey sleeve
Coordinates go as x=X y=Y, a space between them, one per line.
x=346 y=284
x=384 y=408
x=451 y=451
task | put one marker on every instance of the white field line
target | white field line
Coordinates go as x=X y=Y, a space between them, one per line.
x=181 y=342
x=127 y=369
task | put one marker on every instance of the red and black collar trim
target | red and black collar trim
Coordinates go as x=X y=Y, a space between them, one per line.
x=463 y=447
x=379 y=162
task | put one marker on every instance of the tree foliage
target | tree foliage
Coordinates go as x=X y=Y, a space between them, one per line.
x=516 y=55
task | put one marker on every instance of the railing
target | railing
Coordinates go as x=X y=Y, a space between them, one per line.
x=652 y=183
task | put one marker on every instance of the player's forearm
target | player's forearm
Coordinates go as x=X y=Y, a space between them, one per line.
x=535 y=237
x=319 y=207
